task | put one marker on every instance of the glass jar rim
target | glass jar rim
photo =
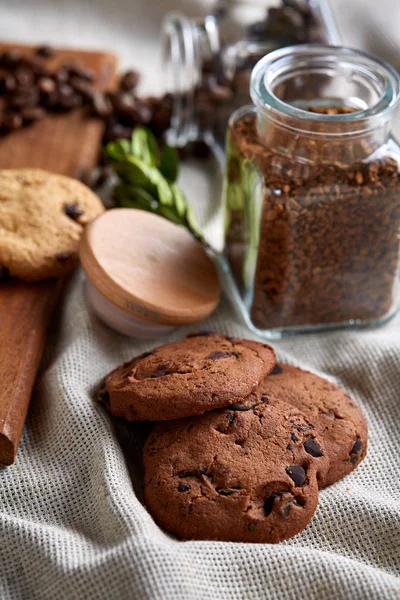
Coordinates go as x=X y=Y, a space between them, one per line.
x=274 y=63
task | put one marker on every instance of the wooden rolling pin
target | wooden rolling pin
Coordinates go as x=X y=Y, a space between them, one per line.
x=68 y=144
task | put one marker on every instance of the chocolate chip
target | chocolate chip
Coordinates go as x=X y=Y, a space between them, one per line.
x=45 y=51
x=356 y=449
x=277 y=370
x=4 y=274
x=286 y=510
x=63 y=256
x=129 y=81
x=158 y=374
x=218 y=354
x=294 y=437
x=242 y=407
x=269 y=502
x=183 y=487
x=313 y=448
x=297 y=474
x=226 y=491
x=231 y=417
x=251 y=527
x=104 y=397
x=199 y=334
x=73 y=211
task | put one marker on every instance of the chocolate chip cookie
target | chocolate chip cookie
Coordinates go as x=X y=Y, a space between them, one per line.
x=242 y=475
x=202 y=372
x=337 y=418
x=42 y=216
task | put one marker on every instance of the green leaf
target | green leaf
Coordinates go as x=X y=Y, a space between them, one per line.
x=118 y=150
x=179 y=200
x=144 y=147
x=169 y=165
x=129 y=196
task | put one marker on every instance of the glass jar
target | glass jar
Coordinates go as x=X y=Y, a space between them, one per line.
x=208 y=61
x=312 y=192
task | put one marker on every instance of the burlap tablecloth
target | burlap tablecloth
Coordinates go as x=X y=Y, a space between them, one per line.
x=72 y=522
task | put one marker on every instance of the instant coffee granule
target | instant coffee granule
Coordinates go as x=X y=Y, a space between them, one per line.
x=328 y=233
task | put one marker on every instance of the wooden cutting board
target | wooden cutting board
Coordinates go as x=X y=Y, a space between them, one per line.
x=64 y=143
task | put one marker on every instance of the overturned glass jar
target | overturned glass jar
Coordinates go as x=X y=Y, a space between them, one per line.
x=312 y=192
x=208 y=61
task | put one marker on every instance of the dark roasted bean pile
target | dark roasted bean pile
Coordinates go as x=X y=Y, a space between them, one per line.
x=29 y=89
x=329 y=245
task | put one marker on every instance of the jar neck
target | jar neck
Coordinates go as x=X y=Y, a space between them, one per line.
x=324 y=104
x=189 y=45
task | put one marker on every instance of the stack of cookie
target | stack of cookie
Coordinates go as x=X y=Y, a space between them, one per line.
x=244 y=444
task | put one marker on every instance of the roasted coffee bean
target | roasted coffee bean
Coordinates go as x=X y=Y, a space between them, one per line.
x=7 y=84
x=10 y=58
x=101 y=105
x=45 y=51
x=32 y=113
x=24 y=97
x=46 y=85
x=24 y=77
x=11 y=121
x=61 y=75
x=129 y=81
x=313 y=448
x=298 y=474
x=73 y=211
x=81 y=72
x=82 y=87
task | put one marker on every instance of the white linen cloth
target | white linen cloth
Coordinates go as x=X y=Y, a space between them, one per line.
x=72 y=522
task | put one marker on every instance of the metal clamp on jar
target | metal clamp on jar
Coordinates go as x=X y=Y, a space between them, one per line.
x=312 y=192
x=208 y=61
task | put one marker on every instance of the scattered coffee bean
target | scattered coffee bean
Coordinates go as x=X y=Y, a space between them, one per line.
x=313 y=448
x=129 y=81
x=298 y=474
x=32 y=113
x=11 y=121
x=45 y=51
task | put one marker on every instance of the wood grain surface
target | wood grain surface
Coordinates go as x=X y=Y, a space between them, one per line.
x=62 y=143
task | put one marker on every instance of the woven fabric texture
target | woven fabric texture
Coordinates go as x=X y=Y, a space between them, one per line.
x=72 y=521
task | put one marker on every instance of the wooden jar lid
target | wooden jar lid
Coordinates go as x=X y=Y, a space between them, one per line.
x=149 y=267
